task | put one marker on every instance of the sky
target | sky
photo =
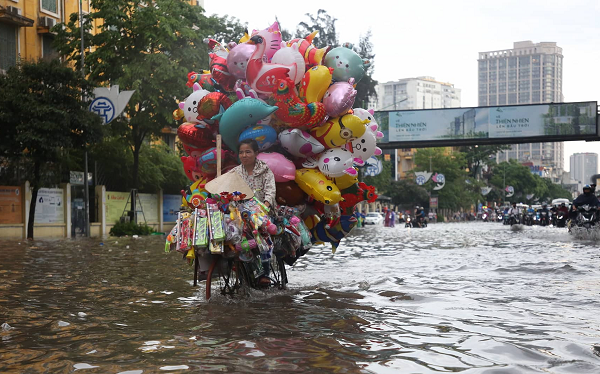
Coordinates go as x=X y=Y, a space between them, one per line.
x=442 y=39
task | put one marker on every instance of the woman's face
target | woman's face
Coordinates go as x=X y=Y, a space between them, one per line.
x=247 y=155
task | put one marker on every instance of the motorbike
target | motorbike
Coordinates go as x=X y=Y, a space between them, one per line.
x=561 y=219
x=586 y=216
x=528 y=219
x=544 y=218
x=484 y=217
x=420 y=222
x=513 y=220
x=408 y=222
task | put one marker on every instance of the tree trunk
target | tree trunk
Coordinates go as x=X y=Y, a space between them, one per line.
x=35 y=188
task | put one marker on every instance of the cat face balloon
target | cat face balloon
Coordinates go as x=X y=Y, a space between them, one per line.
x=190 y=105
x=336 y=162
x=272 y=39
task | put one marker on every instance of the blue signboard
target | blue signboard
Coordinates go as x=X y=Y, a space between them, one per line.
x=171 y=205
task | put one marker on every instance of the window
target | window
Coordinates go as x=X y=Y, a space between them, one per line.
x=50 y=6
x=48 y=52
x=8 y=46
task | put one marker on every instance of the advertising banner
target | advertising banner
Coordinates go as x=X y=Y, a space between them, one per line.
x=433 y=202
x=150 y=205
x=50 y=206
x=115 y=203
x=171 y=205
x=566 y=120
x=10 y=204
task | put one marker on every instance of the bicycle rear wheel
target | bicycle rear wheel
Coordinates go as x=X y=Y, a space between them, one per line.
x=278 y=273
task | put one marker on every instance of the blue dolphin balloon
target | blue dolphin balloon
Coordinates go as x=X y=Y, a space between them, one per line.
x=241 y=114
x=334 y=234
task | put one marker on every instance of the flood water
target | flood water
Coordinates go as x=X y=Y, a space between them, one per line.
x=463 y=297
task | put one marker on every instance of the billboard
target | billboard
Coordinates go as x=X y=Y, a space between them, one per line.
x=50 y=206
x=500 y=124
x=10 y=204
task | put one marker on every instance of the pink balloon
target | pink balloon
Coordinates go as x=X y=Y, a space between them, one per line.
x=339 y=98
x=237 y=60
x=284 y=169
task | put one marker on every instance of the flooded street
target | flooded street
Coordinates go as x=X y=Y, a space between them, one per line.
x=459 y=297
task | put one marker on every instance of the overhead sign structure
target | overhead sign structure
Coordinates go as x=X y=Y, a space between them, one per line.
x=374 y=166
x=440 y=181
x=108 y=103
x=510 y=190
x=489 y=125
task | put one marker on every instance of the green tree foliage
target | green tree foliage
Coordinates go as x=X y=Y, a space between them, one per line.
x=325 y=24
x=457 y=193
x=160 y=167
x=43 y=117
x=525 y=183
x=366 y=86
x=146 y=48
x=382 y=180
x=478 y=155
x=226 y=29
x=407 y=192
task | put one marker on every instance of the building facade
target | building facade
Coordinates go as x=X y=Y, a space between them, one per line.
x=583 y=166
x=415 y=93
x=527 y=74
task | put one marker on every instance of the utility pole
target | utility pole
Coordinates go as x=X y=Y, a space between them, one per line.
x=86 y=188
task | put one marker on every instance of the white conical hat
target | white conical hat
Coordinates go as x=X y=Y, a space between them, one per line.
x=229 y=182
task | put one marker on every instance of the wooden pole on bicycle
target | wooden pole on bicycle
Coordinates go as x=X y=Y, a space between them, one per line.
x=219 y=142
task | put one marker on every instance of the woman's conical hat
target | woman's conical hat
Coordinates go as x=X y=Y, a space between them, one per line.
x=229 y=182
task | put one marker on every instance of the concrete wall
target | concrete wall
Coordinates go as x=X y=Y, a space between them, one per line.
x=98 y=227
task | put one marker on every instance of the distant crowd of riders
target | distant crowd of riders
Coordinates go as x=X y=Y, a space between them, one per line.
x=582 y=212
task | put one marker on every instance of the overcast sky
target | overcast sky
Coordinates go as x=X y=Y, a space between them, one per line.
x=442 y=38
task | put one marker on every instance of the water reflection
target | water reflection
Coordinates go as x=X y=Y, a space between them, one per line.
x=472 y=298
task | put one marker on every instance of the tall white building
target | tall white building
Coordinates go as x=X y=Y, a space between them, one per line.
x=417 y=93
x=414 y=93
x=583 y=166
x=527 y=74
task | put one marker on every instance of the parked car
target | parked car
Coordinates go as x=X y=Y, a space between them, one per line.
x=373 y=219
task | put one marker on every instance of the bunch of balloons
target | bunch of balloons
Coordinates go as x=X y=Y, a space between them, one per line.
x=297 y=102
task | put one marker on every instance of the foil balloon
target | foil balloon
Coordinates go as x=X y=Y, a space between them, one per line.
x=333 y=235
x=237 y=61
x=262 y=76
x=206 y=163
x=264 y=135
x=345 y=180
x=240 y=115
x=289 y=193
x=314 y=83
x=339 y=98
x=365 y=114
x=294 y=112
x=300 y=143
x=194 y=137
x=355 y=194
x=336 y=162
x=218 y=65
x=312 y=55
x=339 y=130
x=317 y=186
x=366 y=146
x=190 y=169
x=242 y=94
x=289 y=56
x=190 y=105
x=200 y=78
x=346 y=64
x=283 y=169
x=272 y=36
x=211 y=105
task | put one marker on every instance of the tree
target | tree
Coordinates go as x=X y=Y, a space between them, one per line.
x=325 y=24
x=406 y=192
x=457 y=192
x=146 y=48
x=479 y=155
x=43 y=117
x=366 y=86
x=226 y=29
x=382 y=180
x=516 y=175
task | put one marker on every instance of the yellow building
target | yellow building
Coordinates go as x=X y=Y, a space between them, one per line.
x=406 y=159
x=25 y=28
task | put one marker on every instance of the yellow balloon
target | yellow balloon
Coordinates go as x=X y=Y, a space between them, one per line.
x=317 y=186
x=339 y=130
x=315 y=83
x=346 y=180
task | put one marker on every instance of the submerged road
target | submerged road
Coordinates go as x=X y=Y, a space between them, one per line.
x=459 y=297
